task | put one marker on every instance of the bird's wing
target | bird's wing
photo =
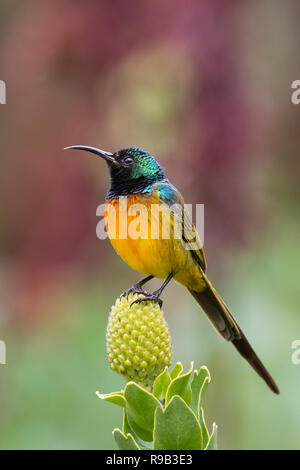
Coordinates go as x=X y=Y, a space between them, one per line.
x=169 y=196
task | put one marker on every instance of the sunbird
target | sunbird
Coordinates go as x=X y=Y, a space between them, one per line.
x=136 y=175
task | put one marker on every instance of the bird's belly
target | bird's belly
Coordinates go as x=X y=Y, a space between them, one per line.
x=158 y=256
x=150 y=257
x=134 y=242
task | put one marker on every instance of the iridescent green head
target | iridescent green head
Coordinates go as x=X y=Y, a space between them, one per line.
x=136 y=163
x=132 y=170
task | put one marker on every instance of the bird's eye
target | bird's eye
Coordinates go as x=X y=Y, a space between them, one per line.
x=128 y=160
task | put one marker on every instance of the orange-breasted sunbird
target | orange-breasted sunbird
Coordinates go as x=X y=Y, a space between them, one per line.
x=135 y=176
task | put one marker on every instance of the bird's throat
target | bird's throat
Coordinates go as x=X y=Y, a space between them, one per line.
x=126 y=186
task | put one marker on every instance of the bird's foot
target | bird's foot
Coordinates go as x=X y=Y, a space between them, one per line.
x=135 y=289
x=149 y=297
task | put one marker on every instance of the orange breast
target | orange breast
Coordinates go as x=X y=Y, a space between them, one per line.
x=135 y=227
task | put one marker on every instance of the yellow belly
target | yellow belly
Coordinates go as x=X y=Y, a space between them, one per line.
x=150 y=257
x=132 y=236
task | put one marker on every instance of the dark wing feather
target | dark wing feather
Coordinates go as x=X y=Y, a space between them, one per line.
x=169 y=196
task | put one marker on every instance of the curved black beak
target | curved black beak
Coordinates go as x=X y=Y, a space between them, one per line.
x=108 y=156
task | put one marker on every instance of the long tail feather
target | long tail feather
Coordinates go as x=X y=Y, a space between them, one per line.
x=224 y=323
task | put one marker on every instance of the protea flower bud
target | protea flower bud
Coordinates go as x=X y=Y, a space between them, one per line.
x=138 y=342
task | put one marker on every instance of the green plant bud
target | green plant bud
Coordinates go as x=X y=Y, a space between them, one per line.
x=138 y=341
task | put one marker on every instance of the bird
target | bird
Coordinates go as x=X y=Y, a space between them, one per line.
x=136 y=178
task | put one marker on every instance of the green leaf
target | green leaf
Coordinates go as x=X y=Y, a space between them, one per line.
x=127 y=430
x=126 y=427
x=212 y=443
x=161 y=384
x=202 y=391
x=141 y=406
x=205 y=434
x=198 y=390
x=176 y=370
x=181 y=386
x=115 y=397
x=141 y=432
x=176 y=427
x=125 y=442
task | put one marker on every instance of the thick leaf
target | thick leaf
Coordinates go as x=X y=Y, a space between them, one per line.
x=202 y=391
x=141 y=406
x=115 y=397
x=142 y=433
x=126 y=427
x=161 y=384
x=181 y=386
x=143 y=445
x=198 y=389
x=212 y=443
x=176 y=370
x=176 y=427
x=125 y=442
x=205 y=434
x=127 y=430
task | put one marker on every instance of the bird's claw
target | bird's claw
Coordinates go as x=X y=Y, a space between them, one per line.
x=136 y=289
x=148 y=297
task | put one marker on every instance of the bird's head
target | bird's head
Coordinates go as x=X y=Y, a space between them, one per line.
x=131 y=169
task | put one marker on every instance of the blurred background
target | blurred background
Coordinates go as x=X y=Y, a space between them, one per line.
x=206 y=88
